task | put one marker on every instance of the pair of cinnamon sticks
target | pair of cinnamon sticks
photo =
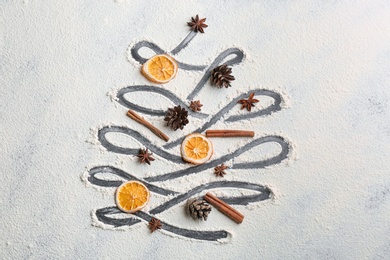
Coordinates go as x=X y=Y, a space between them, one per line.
x=224 y=208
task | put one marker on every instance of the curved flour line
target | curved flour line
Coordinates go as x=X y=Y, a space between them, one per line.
x=276 y=106
x=194 y=234
x=144 y=44
x=102 y=213
x=239 y=55
x=285 y=148
x=110 y=170
x=152 y=89
x=264 y=194
x=266 y=111
x=184 y=43
x=197 y=168
x=133 y=151
x=154 y=47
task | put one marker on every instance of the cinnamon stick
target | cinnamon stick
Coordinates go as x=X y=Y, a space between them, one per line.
x=152 y=128
x=229 y=133
x=224 y=208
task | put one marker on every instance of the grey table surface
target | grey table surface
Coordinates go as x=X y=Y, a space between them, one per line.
x=331 y=59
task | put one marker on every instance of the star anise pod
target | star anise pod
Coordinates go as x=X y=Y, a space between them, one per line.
x=248 y=103
x=220 y=170
x=221 y=76
x=197 y=24
x=145 y=156
x=154 y=224
x=195 y=105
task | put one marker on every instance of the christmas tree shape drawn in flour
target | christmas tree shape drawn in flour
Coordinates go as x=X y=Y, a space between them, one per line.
x=115 y=218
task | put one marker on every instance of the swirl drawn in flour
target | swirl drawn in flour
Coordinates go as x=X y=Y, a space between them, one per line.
x=276 y=106
x=97 y=176
x=197 y=168
x=262 y=193
x=239 y=55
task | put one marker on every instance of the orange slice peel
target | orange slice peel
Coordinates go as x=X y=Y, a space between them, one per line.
x=160 y=68
x=132 y=196
x=196 y=148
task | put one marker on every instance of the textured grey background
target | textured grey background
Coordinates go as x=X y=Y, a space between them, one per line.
x=332 y=58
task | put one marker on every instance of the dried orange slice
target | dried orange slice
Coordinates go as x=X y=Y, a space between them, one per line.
x=196 y=149
x=132 y=196
x=160 y=68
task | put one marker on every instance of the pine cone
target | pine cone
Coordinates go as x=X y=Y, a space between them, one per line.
x=176 y=117
x=198 y=208
x=220 y=76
